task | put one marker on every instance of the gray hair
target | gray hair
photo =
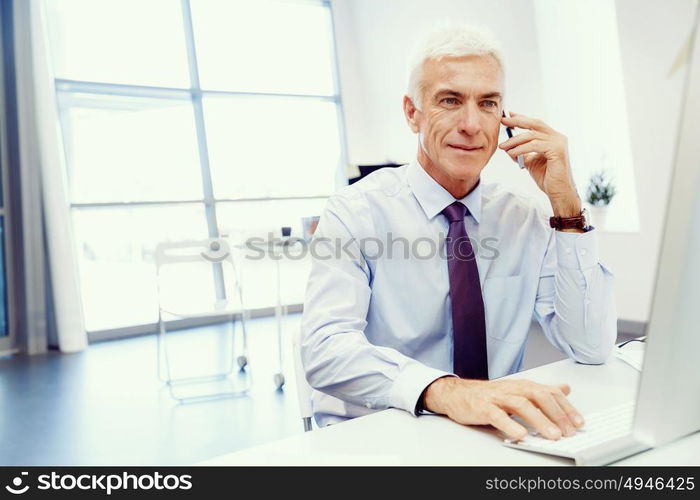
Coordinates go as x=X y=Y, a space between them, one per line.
x=449 y=41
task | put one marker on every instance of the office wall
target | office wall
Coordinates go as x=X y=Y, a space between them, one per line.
x=582 y=76
x=651 y=36
x=374 y=36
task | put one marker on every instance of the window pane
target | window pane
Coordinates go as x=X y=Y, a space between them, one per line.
x=130 y=149
x=242 y=220
x=118 y=41
x=264 y=46
x=3 y=282
x=272 y=146
x=115 y=248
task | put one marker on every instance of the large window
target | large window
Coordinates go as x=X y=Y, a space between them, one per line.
x=7 y=120
x=183 y=119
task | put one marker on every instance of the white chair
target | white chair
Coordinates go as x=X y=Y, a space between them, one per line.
x=303 y=387
x=187 y=272
x=238 y=241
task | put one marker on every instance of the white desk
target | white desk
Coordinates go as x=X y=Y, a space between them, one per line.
x=393 y=437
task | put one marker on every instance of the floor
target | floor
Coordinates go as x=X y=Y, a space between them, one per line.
x=106 y=406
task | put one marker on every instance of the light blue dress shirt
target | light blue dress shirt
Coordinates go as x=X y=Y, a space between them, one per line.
x=377 y=324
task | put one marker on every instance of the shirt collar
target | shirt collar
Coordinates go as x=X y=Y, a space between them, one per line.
x=433 y=198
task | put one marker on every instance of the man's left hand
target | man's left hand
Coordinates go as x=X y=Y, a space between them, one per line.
x=546 y=156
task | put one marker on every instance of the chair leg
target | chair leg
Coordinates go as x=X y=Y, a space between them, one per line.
x=242 y=359
x=167 y=377
x=162 y=353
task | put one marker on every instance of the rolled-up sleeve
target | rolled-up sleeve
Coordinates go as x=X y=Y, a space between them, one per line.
x=575 y=299
x=338 y=358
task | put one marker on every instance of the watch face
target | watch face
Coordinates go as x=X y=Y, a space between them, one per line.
x=586 y=217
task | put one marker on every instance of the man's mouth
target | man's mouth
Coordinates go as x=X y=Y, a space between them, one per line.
x=462 y=147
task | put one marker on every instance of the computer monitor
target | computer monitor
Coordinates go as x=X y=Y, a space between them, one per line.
x=668 y=398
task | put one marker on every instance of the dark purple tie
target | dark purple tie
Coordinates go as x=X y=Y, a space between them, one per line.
x=468 y=321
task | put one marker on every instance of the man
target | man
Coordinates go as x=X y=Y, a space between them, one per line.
x=430 y=331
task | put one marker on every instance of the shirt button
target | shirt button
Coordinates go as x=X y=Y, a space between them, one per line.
x=368 y=405
x=583 y=251
x=568 y=251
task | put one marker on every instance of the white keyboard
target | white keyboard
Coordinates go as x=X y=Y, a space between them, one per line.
x=599 y=428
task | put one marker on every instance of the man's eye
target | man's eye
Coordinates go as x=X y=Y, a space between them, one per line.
x=450 y=101
x=490 y=104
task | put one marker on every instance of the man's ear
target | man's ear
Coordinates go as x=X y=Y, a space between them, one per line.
x=409 y=110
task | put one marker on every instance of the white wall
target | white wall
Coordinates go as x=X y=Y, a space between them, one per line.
x=651 y=35
x=583 y=80
x=373 y=38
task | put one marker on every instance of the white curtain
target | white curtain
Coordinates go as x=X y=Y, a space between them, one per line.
x=41 y=154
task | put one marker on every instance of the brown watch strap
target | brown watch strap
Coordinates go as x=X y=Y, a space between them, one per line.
x=578 y=222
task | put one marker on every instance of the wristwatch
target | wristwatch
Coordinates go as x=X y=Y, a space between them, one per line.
x=580 y=221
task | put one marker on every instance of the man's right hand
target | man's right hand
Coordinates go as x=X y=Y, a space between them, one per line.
x=484 y=402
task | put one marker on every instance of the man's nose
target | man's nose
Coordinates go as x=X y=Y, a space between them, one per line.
x=469 y=122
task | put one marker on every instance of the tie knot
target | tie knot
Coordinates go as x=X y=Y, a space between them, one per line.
x=455 y=212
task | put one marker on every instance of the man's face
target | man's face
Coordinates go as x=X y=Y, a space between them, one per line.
x=460 y=116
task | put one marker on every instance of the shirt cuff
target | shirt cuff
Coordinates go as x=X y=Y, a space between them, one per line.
x=410 y=384
x=577 y=250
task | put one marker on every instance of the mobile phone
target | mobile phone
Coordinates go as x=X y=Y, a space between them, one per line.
x=509 y=131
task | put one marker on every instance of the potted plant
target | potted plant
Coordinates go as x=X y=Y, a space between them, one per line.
x=601 y=191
